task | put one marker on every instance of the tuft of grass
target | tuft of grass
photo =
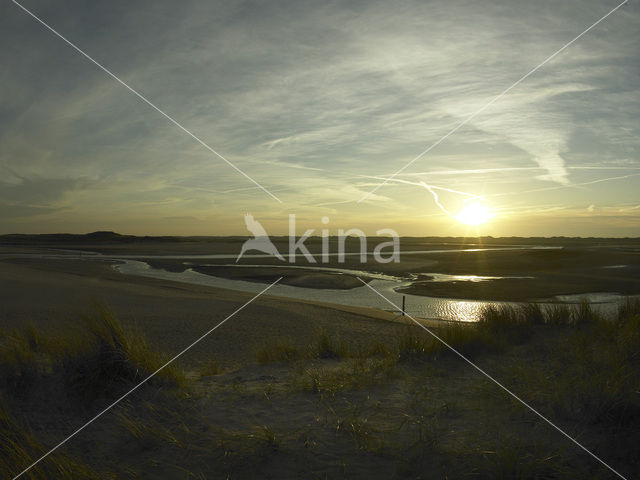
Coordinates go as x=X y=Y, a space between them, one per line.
x=352 y=374
x=104 y=356
x=283 y=351
x=512 y=324
x=471 y=340
x=376 y=349
x=413 y=346
x=327 y=346
x=629 y=308
x=584 y=314
x=468 y=339
x=113 y=355
x=364 y=434
x=210 y=368
x=564 y=315
x=324 y=346
x=558 y=314
x=33 y=338
x=532 y=314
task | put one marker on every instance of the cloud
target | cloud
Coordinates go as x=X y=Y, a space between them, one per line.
x=40 y=192
x=16 y=211
x=308 y=98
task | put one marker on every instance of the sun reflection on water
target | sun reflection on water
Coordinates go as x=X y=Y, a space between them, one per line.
x=462 y=310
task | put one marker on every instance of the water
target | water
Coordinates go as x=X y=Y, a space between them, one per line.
x=416 y=305
x=233 y=256
x=444 y=277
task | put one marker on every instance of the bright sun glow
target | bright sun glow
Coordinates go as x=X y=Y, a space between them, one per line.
x=474 y=213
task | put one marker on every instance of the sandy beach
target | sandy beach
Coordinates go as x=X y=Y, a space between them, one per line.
x=51 y=294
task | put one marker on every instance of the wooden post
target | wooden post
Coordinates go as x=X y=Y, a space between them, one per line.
x=403 y=303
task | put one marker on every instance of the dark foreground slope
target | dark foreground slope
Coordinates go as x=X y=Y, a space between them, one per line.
x=399 y=407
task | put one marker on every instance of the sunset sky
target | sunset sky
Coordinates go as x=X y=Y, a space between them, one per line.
x=319 y=103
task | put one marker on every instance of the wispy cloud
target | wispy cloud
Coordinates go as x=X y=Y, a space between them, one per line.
x=314 y=101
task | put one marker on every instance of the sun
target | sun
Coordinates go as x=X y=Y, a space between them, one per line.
x=474 y=213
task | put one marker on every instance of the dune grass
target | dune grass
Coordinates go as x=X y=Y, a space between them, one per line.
x=629 y=308
x=19 y=448
x=558 y=314
x=69 y=372
x=596 y=377
x=282 y=351
x=323 y=346
x=112 y=354
x=497 y=328
x=402 y=405
x=102 y=354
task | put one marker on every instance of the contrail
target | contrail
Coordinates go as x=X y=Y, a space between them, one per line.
x=432 y=189
x=421 y=183
x=435 y=197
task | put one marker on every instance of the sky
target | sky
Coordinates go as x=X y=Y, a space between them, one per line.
x=319 y=102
